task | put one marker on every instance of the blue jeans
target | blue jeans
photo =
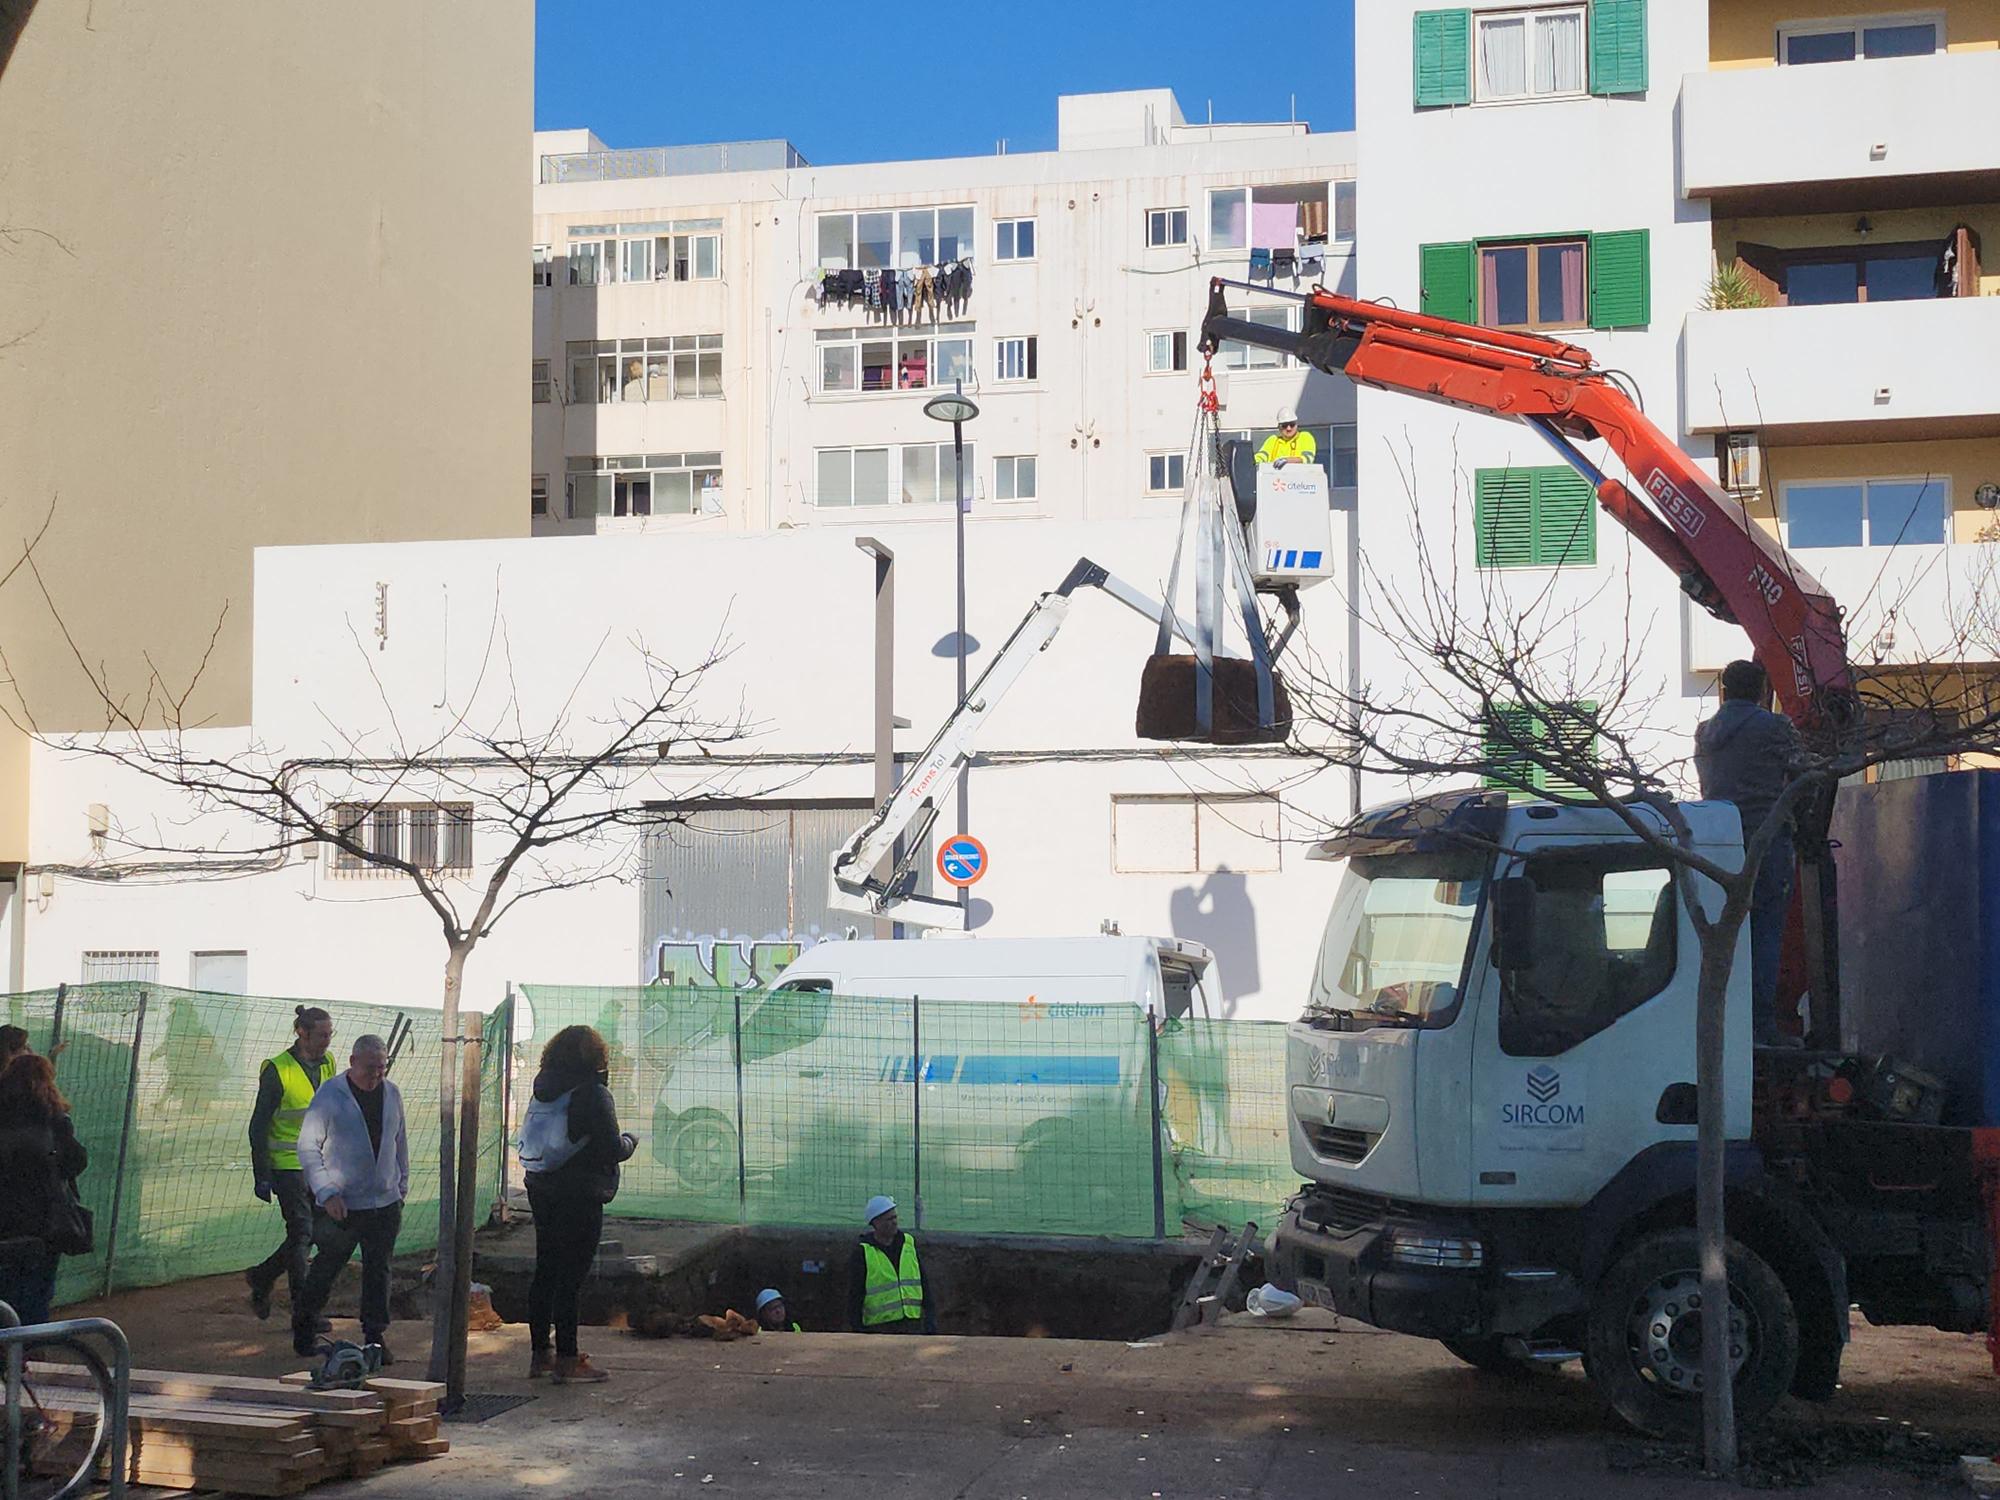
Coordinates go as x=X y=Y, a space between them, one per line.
x=28 y=1278
x=1770 y=900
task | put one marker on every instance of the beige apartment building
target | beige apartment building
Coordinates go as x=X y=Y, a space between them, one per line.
x=259 y=284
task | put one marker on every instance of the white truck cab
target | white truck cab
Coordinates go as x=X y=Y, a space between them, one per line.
x=1492 y=1094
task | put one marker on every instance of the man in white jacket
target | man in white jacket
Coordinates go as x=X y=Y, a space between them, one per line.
x=355 y=1154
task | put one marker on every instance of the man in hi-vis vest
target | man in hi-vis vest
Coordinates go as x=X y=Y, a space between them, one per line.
x=887 y=1290
x=285 y=1086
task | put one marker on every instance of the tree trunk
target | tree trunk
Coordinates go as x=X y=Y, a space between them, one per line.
x=442 y=1279
x=1718 y=1391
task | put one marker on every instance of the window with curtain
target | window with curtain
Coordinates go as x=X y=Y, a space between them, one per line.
x=1530 y=54
x=1533 y=284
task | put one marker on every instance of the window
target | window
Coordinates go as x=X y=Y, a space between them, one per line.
x=1534 y=285
x=1014 y=239
x=590 y=262
x=1534 y=518
x=539 y=382
x=1396 y=939
x=545 y=270
x=896 y=239
x=1871 y=512
x=1511 y=732
x=636 y=260
x=683 y=367
x=538 y=495
x=1343 y=210
x=1166 y=473
x=113 y=965
x=1530 y=54
x=1166 y=226
x=1014 y=359
x=1599 y=280
x=1605 y=930
x=906 y=474
x=1844 y=41
x=429 y=835
x=644 y=484
x=1166 y=351
x=1174 y=835
x=1228 y=218
x=884 y=359
x=1014 y=478
x=1236 y=355
x=1881 y=273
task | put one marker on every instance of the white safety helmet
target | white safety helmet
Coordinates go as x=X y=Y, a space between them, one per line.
x=878 y=1205
x=1287 y=416
x=769 y=1295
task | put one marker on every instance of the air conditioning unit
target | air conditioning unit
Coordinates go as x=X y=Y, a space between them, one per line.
x=1742 y=463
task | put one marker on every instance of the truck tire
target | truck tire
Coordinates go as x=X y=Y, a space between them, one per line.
x=1642 y=1349
x=1487 y=1355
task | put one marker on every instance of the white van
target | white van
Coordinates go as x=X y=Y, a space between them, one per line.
x=1030 y=1055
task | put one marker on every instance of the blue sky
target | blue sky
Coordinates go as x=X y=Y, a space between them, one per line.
x=849 y=82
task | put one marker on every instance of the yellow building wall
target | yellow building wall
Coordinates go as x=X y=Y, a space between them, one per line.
x=1890 y=226
x=1963 y=463
x=1744 y=33
x=262 y=283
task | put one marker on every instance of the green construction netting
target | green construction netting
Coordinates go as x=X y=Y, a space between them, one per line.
x=169 y=1177
x=1003 y=1118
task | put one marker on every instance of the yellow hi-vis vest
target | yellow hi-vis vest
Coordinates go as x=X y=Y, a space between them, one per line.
x=1302 y=446
x=300 y=1086
x=892 y=1293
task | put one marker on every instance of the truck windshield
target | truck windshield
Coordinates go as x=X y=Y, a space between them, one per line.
x=1394 y=947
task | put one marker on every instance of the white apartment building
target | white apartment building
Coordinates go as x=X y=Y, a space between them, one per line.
x=1589 y=169
x=707 y=356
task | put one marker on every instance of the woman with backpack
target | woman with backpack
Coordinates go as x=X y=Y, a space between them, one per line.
x=571 y=1149
x=40 y=1160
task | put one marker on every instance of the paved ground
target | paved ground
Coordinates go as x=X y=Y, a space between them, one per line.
x=1250 y=1409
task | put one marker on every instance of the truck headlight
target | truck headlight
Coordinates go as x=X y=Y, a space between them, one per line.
x=1435 y=1252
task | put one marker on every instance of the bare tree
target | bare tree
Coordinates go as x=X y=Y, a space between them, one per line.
x=553 y=798
x=1476 y=679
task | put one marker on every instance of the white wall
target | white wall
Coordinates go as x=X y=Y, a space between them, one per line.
x=796 y=611
x=1484 y=171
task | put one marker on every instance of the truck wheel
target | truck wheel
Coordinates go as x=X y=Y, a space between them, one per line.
x=1643 y=1347
x=1487 y=1354
x=704 y=1151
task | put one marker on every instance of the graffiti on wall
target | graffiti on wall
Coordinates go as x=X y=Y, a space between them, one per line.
x=719 y=961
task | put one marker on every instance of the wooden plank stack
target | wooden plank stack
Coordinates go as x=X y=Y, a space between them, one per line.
x=243 y=1434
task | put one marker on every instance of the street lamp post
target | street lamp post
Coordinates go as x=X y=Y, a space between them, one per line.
x=958 y=409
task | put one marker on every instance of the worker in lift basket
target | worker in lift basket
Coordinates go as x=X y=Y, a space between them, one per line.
x=887 y=1289
x=1744 y=755
x=1288 y=445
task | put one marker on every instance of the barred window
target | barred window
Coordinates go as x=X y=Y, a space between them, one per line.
x=429 y=835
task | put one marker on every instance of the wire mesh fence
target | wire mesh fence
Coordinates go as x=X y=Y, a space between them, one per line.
x=161 y=1083
x=759 y=1106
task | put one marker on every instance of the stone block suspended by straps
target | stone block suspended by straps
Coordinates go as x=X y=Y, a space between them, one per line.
x=1168 y=704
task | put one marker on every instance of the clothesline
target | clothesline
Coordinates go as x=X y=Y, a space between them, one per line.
x=941 y=290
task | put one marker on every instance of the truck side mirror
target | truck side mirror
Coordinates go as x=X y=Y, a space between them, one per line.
x=1513 y=924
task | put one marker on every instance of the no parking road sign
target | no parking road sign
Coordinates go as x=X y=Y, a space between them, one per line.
x=962 y=859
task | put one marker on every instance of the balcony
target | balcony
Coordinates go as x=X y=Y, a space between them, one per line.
x=1905 y=606
x=1853 y=372
x=1883 y=133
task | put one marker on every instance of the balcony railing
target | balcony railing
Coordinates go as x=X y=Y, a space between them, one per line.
x=671 y=161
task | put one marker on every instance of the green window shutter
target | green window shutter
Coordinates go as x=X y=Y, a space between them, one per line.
x=1621 y=279
x=1443 y=57
x=1507 y=766
x=1503 y=517
x=1566 y=728
x=1565 y=519
x=1618 y=46
x=1444 y=273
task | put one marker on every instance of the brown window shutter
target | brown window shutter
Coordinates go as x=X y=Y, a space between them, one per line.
x=1968 y=262
x=1759 y=264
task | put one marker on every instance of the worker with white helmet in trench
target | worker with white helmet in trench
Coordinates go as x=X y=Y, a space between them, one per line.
x=1289 y=445
x=887 y=1289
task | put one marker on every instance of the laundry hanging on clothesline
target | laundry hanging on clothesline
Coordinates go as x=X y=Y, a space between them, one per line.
x=915 y=294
